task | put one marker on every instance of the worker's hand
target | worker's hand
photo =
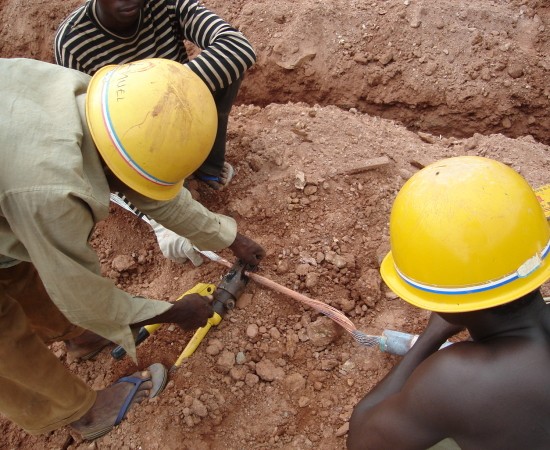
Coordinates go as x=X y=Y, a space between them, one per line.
x=248 y=251
x=192 y=311
x=175 y=247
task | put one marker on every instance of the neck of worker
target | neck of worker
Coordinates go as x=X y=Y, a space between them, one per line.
x=530 y=320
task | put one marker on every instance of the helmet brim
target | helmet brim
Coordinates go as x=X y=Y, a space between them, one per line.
x=455 y=303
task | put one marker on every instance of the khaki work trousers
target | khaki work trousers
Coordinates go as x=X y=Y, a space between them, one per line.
x=37 y=391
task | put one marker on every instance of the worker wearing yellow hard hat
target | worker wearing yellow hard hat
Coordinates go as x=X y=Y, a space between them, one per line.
x=139 y=129
x=469 y=242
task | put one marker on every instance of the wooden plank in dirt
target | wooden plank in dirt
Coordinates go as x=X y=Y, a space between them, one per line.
x=420 y=163
x=369 y=164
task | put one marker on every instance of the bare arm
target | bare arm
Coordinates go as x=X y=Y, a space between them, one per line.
x=387 y=417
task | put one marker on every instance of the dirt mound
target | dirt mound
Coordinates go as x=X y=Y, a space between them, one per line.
x=274 y=373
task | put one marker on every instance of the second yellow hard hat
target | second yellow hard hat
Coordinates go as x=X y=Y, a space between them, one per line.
x=467 y=233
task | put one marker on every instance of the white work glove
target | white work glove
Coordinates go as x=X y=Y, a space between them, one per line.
x=175 y=247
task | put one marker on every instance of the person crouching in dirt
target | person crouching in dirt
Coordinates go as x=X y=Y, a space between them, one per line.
x=469 y=241
x=67 y=141
x=103 y=32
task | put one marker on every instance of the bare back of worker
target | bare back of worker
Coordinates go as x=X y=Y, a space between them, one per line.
x=490 y=393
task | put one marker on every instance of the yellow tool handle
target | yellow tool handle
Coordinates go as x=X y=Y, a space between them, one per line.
x=146 y=331
x=203 y=289
x=197 y=339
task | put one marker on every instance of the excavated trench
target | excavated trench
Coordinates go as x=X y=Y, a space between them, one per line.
x=526 y=117
x=446 y=68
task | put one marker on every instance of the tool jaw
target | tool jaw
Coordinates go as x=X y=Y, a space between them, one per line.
x=230 y=287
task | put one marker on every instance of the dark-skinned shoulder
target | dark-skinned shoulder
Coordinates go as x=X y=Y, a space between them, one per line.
x=499 y=384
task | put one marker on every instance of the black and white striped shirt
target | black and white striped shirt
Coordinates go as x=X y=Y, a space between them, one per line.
x=82 y=43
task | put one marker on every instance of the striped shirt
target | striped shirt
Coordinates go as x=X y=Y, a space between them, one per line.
x=82 y=43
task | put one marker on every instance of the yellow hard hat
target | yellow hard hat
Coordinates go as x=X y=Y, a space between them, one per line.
x=153 y=121
x=466 y=233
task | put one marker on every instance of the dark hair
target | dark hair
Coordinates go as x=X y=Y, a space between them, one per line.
x=514 y=306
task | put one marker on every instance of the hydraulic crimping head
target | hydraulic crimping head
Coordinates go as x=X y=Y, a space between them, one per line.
x=230 y=288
